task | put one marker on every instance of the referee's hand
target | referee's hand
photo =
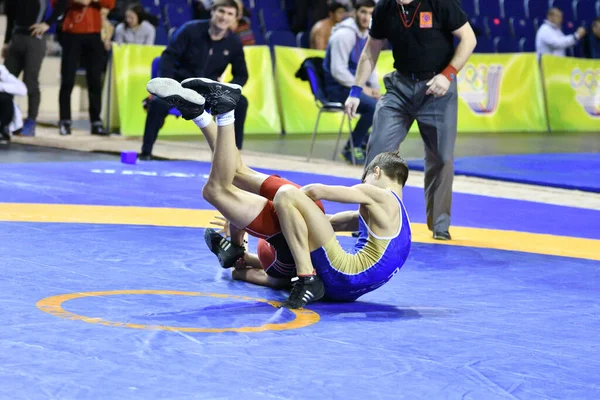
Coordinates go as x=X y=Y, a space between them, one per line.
x=351 y=106
x=438 y=86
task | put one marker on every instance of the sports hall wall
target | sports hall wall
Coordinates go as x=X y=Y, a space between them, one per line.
x=497 y=93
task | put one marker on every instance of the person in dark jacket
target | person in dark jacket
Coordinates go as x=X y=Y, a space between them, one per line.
x=201 y=48
x=25 y=47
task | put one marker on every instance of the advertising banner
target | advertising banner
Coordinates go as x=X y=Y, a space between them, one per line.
x=572 y=93
x=132 y=71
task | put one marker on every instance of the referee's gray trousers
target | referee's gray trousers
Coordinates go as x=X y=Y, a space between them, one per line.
x=403 y=103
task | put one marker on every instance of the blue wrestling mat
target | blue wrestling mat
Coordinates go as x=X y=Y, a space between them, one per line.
x=108 y=292
x=568 y=171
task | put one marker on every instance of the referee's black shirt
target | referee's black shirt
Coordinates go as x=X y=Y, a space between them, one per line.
x=425 y=46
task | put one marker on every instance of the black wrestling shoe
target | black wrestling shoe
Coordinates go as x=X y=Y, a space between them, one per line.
x=442 y=235
x=227 y=252
x=189 y=103
x=306 y=289
x=220 y=97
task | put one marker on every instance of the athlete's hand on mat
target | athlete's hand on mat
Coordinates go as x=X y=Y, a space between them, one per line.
x=39 y=29
x=223 y=224
x=240 y=264
x=438 y=86
x=351 y=106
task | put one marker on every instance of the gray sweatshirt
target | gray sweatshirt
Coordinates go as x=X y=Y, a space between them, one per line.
x=342 y=45
x=144 y=34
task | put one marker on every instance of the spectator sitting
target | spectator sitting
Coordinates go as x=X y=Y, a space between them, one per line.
x=551 y=40
x=348 y=38
x=241 y=26
x=592 y=45
x=319 y=34
x=135 y=30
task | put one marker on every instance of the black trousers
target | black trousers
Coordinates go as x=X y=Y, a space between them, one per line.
x=158 y=110
x=26 y=54
x=7 y=111
x=89 y=50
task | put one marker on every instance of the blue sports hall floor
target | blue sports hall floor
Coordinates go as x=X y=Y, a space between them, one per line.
x=108 y=292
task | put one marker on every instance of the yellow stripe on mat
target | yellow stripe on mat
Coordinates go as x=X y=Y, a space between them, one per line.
x=180 y=217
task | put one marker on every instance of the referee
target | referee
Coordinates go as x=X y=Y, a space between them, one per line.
x=422 y=88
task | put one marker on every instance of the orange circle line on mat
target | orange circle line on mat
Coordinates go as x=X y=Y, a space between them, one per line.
x=536 y=243
x=53 y=306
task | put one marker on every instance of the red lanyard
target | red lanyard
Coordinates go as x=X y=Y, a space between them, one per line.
x=403 y=17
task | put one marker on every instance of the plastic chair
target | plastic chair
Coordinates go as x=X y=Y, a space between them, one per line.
x=316 y=86
x=513 y=9
x=177 y=14
x=281 y=38
x=506 y=45
x=302 y=40
x=498 y=27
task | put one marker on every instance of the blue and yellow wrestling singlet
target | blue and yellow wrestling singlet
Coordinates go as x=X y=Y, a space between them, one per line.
x=349 y=274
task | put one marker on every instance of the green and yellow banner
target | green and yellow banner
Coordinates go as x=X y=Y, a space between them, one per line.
x=131 y=72
x=572 y=93
x=497 y=93
x=501 y=93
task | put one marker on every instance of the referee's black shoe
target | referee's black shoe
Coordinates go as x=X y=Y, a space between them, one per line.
x=189 y=103
x=441 y=235
x=227 y=253
x=305 y=289
x=220 y=97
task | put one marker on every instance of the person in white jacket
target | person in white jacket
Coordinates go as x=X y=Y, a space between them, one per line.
x=346 y=43
x=550 y=39
x=10 y=115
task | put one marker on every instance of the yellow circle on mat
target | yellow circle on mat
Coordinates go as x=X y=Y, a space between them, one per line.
x=53 y=305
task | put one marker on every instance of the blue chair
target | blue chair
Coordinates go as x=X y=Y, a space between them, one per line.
x=484 y=45
x=513 y=9
x=177 y=14
x=161 y=37
x=506 y=45
x=270 y=4
x=585 y=10
x=536 y=9
x=498 y=27
x=315 y=80
x=302 y=40
x=522 y=28
x=281 y=38
x=259 y=37
x=152 y=8
x=478 y=26
x=527 y=45
x=273 y=19
x=469 y=7
x=489 y=8
x=154 y=74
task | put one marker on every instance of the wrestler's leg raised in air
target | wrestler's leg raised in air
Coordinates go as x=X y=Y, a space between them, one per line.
x=238 y=206
x=245 y=177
